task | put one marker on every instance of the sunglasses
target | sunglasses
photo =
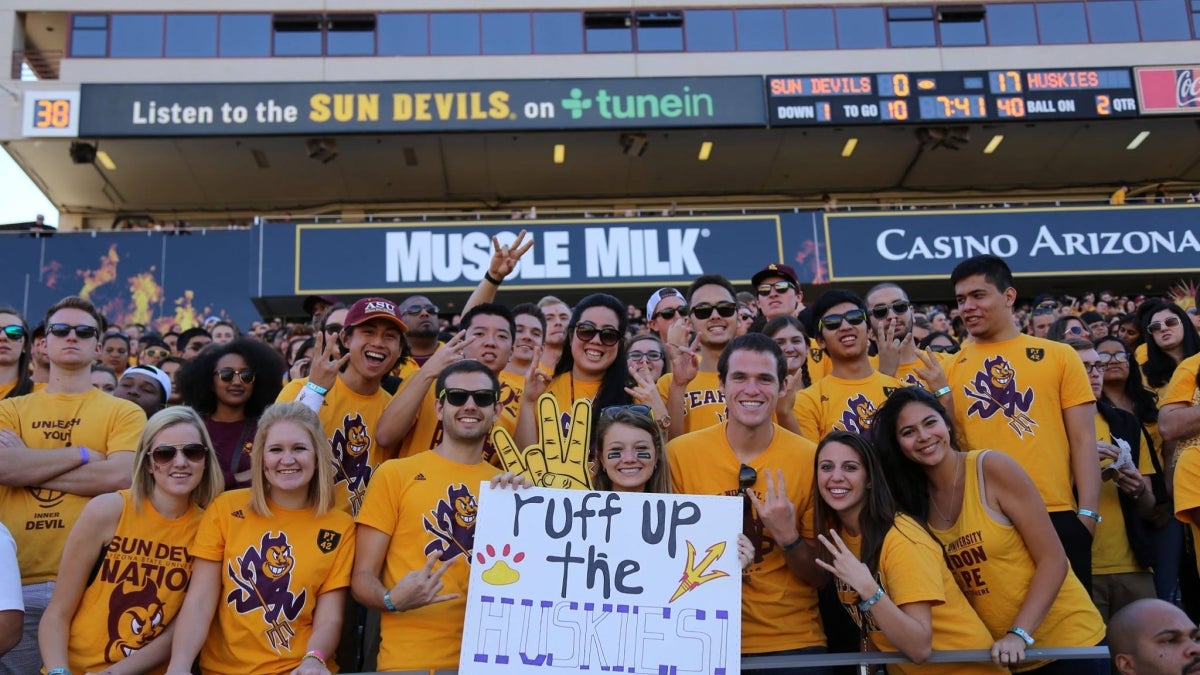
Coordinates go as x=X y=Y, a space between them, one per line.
x=333 y=328
x=1076 y=330
x=1043 y=311
x=834 y=321
x=1113 y=359
x=944 y=349
x=227 y=374
x=650 y=355
x=15 y=332
x=608 y=336
x=899 y=307
x=724 y=309
x=779 y=287
x=192 y=452
x=747 y=477
x=157 y=352
x=669 y=313
x=413 y=310
x=636 y=408
x=458 y=397
x=64 y=329
x=1155 y=327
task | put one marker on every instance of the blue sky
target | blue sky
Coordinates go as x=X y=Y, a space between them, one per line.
x=21 y=201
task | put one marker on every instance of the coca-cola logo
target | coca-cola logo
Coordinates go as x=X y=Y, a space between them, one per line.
x=1187 y=89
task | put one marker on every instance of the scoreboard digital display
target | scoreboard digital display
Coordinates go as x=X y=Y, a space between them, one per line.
x=988 y=96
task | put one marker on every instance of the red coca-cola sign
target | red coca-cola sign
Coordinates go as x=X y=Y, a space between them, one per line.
x=1168 y=90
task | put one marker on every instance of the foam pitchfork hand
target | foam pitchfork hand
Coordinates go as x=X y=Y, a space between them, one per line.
x=554 y=462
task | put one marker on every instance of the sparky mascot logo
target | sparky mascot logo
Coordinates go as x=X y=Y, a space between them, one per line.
x=859 y=415
x=135 y=617
x=453 y=524
x=263 y=576
x=994 y=390
x=351 y=445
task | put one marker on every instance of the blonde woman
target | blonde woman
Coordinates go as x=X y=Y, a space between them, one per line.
x=126 y=563
x=272 y=561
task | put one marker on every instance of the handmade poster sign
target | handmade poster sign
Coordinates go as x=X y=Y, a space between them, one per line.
x=576 y=580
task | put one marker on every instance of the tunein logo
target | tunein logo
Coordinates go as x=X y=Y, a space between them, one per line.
x=577 y=103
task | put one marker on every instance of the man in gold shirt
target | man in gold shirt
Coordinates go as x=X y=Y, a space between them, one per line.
x=58 y=448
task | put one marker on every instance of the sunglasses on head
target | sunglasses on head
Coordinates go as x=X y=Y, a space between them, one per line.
x=64 y=329
x=669 y=313
x=413 y=310
x=636 y=408
x=747 y=477
x=944 y=349
x=1043 y=311
x=608 y=336
x=723 y=309
x=648 y=355
x=165 y=454
x=458 y=397
x=1157 y=326
x=227 y=374
x=15 y=332
x=834 y=321
x=779 y=287
x=899 y=307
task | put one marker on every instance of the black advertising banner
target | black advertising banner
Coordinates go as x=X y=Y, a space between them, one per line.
x=262 y=108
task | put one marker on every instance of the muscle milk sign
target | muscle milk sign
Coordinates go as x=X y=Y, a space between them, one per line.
x=598 y=252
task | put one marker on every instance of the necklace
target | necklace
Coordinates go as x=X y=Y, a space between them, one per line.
x=953 y=493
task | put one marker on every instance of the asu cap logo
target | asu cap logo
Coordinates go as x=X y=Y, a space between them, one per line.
x=368 y=309
x=379 y=306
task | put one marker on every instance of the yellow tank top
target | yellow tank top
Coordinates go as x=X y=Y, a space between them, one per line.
x=993 y=568
x=138 y=589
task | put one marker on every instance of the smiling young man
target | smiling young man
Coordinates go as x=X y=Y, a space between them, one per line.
x=345 y=392
x=531 y=334
x=58 y=448
x=663 y=310
x=692 y=389
x=1029 y=398
x=747 y=453
x=412 y=564
x=849 y=395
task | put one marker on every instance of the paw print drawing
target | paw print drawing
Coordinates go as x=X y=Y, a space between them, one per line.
x=500 y=573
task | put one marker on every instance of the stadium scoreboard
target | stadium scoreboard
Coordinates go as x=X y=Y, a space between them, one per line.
x=987 y=96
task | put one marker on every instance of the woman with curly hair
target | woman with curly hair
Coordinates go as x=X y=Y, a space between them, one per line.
x=230 y=385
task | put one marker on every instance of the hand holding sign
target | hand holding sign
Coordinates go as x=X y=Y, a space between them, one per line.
x=554 y=462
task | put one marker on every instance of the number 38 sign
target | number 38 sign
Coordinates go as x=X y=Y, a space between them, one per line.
x=51 y=113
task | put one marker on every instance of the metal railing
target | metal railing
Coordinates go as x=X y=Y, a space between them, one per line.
x=44 y=63
x=753 y=663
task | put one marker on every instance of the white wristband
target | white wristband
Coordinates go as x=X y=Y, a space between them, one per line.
x=311 y=399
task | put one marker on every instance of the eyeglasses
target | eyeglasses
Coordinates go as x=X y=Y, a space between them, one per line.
x=724 y=309
x=1170 y=322
x=64 y=329
x=333 y=328
x=636 y=408
x=157 y=352
x=944 y=349
x=413 y=310
x=458 y=397
x=1094 y=367
x=779 y=287
x=15 y=332
x=899 y=307
x=1113 y=359
x=227 y=374
x=747 y=477
x=192 y=452
x=834 y=321
x=668 y=313
x=608 y=336
x=650 y=355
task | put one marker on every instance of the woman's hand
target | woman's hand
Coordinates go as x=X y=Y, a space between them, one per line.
x=310 y=666
x=847 y=567
x=1008 y=650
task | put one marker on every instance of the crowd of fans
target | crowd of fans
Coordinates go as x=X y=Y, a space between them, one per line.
x=993 y=475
